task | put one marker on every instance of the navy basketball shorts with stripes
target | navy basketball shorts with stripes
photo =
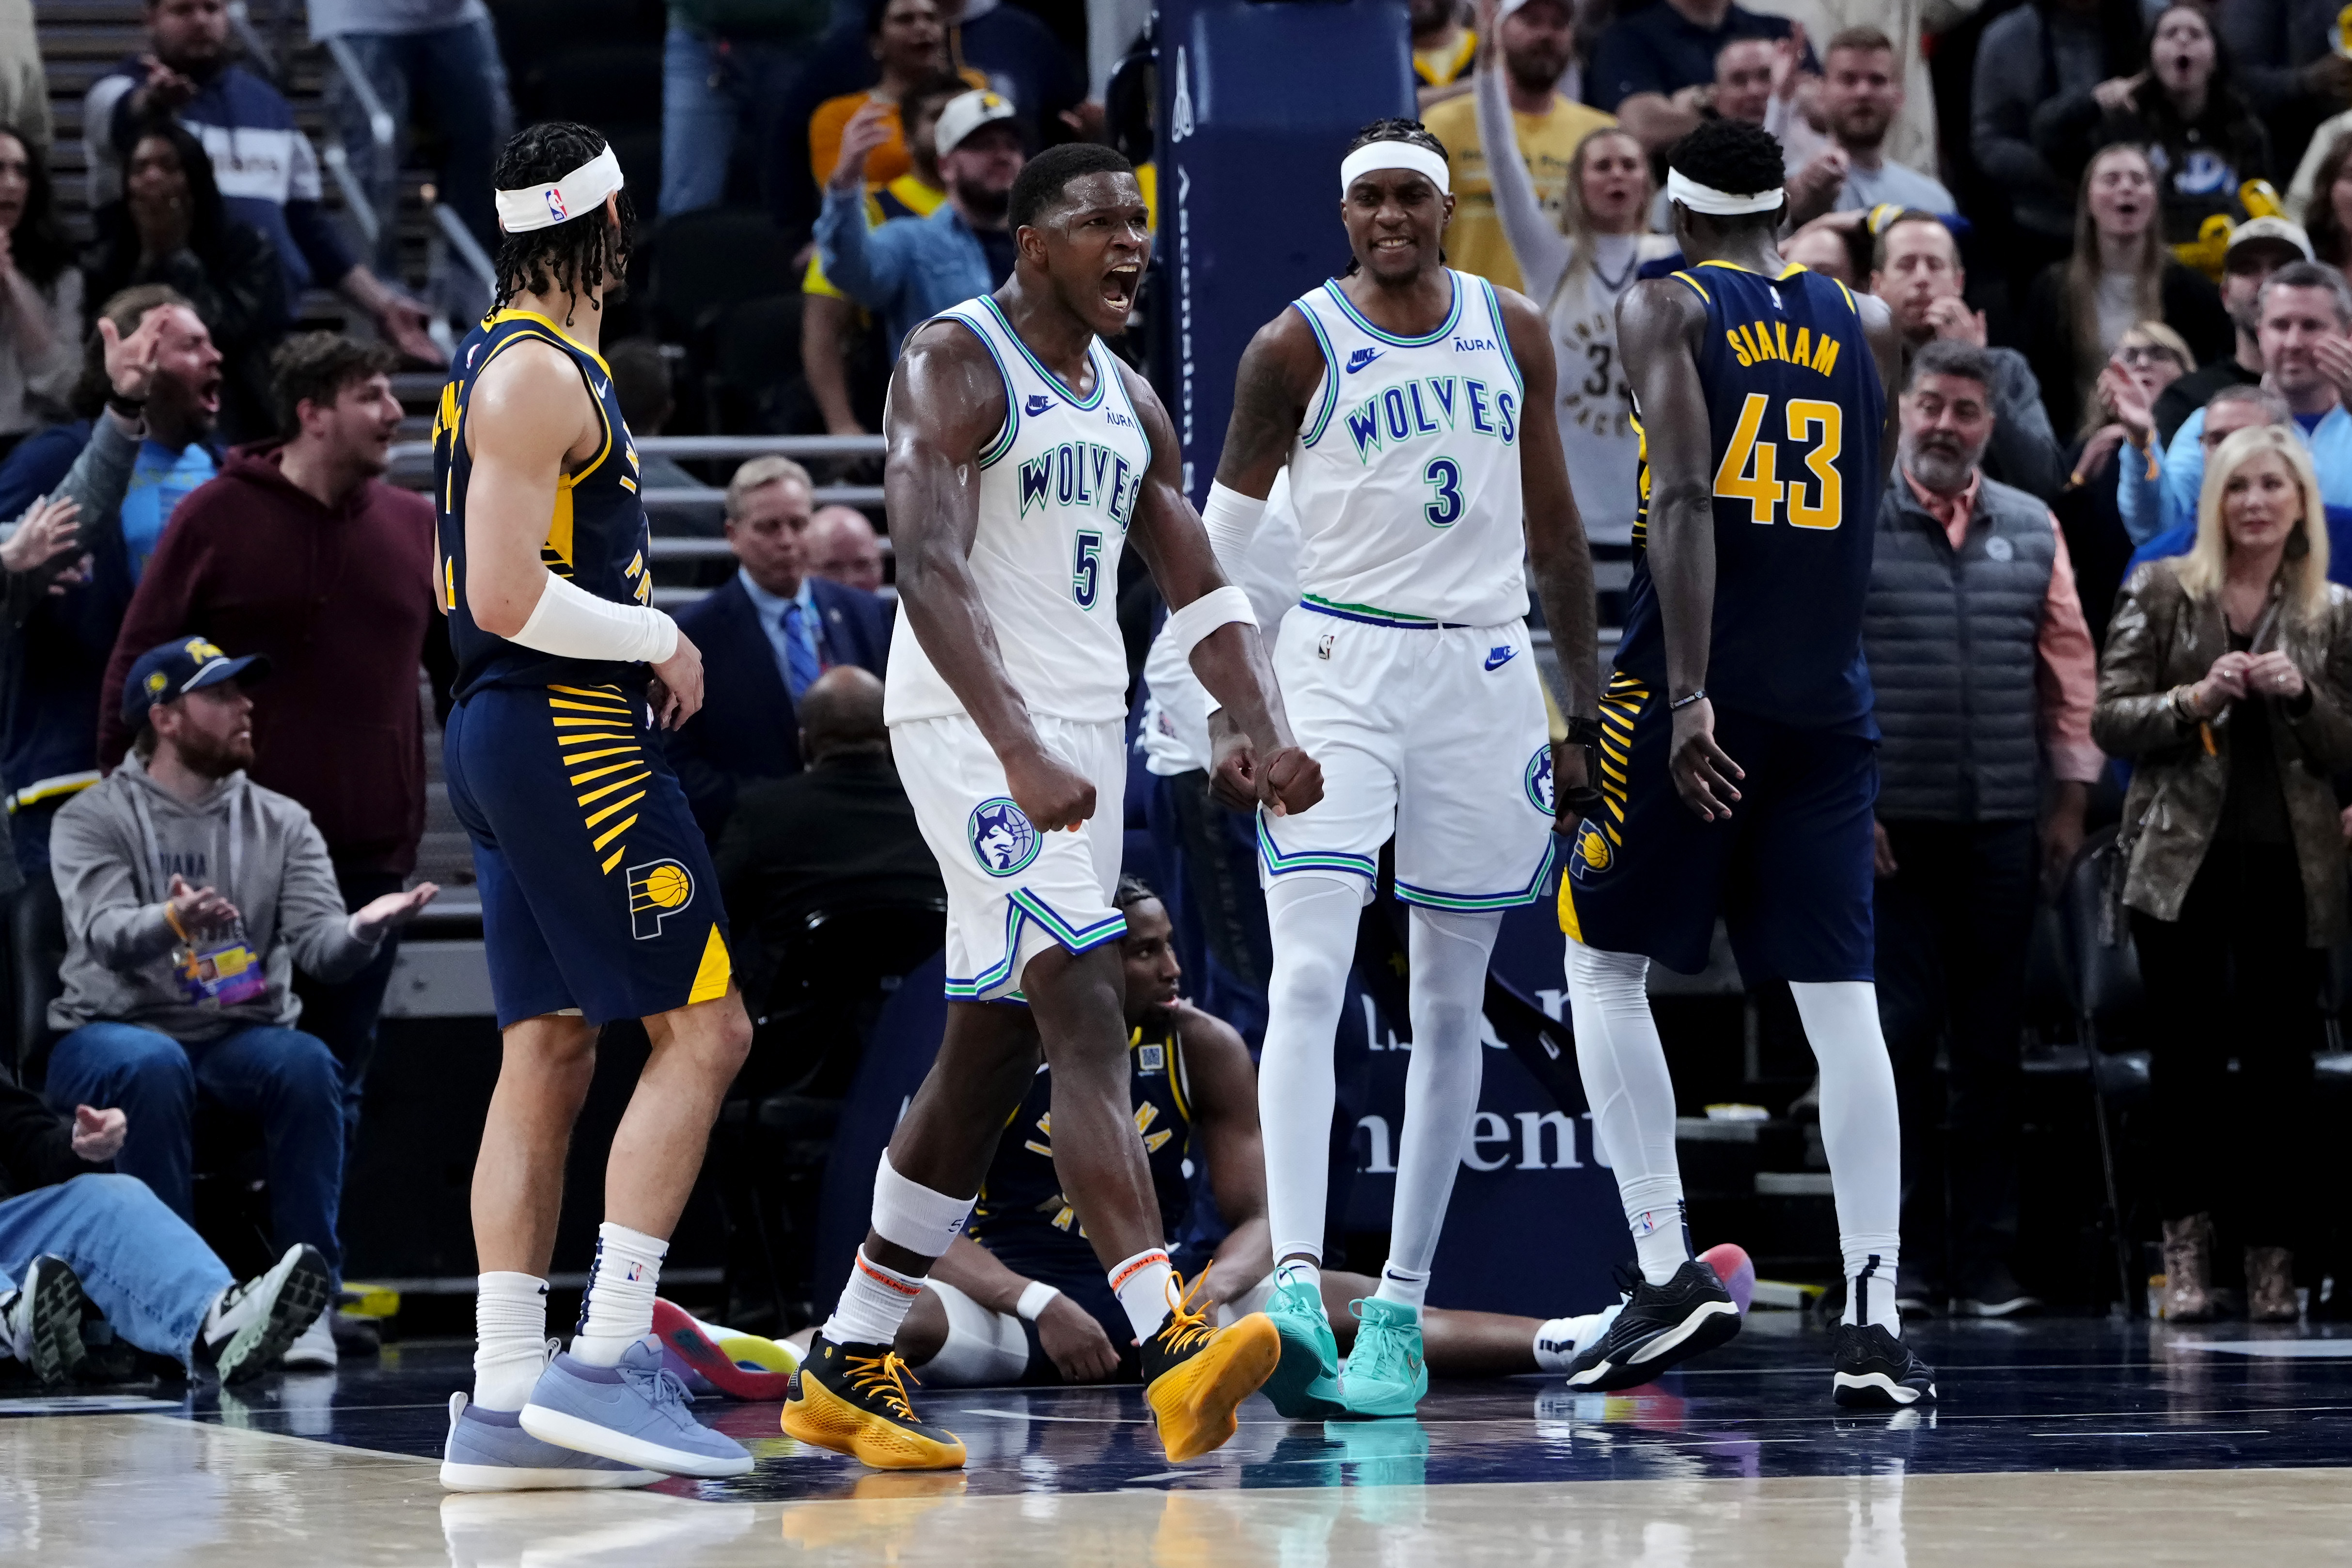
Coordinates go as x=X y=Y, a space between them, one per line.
x=1790 y=873
x=597 y=891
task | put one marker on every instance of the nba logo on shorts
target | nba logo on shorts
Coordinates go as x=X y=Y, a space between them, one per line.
x=1003 y=840
x=1538 y=780
x=657 y=890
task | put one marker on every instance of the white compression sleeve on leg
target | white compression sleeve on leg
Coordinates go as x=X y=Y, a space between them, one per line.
x=1448 y=953
x=572 y=623
x=1862 y=1134
x=909 y=1215
x=1623 y=1065
x=982 y=1350
x=1313 y=920
x=1229 y=519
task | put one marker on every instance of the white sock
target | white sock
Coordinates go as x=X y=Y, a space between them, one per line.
x=618 y=1309
x=872 y=1305
x=1623 y=1065
x=1448 y=952
x=509 y=1339
x=1313 y=920
x=1140 y=1283
x=1558 y=1337
x=1404 y=1288
x=1299 y=1271
x=1862 y=1135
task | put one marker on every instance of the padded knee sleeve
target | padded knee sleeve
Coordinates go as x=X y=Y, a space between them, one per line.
x=1313 y=920
x=982 y=1349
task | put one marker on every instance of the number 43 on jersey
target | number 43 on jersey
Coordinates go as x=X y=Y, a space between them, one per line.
x=1752 y=462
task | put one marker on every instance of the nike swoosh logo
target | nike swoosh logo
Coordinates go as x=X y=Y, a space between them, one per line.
x=1500 y=657
x=1036 y=405
x=1361 y=358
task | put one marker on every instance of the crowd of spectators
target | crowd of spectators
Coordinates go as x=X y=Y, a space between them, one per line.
x=2105 y=560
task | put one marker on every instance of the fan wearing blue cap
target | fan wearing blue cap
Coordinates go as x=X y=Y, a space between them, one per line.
x=190 y=895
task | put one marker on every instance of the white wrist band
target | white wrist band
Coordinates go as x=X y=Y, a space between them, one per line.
x=1190 y=626
x=1229 y=519
x=1035 y=1298
x=572 y=623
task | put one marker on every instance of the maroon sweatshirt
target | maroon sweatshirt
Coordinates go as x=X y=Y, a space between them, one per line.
x=341 y=601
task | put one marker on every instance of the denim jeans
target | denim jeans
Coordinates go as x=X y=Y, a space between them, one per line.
x=458 y=73
x=284 y=1078
x=718 y=95
x=139 y=1263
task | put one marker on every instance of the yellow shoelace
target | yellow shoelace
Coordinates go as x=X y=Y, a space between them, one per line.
x=886 y=1376
x=1186 y=1327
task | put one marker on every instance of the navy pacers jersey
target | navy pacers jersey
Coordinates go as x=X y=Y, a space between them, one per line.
x=1024 y=1217
x=1795 y=411
x=596 y=536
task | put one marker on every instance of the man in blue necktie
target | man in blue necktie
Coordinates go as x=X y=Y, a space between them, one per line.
x=767 y=634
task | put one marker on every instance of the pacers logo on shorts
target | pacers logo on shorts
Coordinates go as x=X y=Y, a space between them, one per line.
x=1003 y=838
x=1593 y=855
x=657 y=890
x=1539 y=779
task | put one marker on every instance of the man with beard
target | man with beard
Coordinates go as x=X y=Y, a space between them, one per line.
x=300 y=552
x=2257 y=248
x=1861 y=96
x=1983 y=673
x=1917 y=270
x=907 y=270
x=1537 y=40
x=148 y=399
x=191 y=896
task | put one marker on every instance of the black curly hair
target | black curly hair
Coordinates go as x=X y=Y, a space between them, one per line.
x=1132 y=890
x=575 y=255
x=1735 y=156
x=1396 y=129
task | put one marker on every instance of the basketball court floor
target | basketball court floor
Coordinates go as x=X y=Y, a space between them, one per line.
x=2058 y=1442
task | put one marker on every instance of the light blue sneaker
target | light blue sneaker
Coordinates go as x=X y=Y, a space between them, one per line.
x=1386 y=1373
x=1306 y=1381
x=488 y=1451
x=633 y=1414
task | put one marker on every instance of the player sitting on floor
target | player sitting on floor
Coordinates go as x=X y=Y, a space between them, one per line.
x=1020 y=1299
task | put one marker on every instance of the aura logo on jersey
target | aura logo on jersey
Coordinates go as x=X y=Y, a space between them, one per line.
x=1539 y=779
x=657 y=890
x=1432 y=405
x=1081 y=474
x=1003 y=838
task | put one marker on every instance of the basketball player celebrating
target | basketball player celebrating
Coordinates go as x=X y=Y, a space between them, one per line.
x=1022 y=456
x=1412 y=405
x=598 y=899
x=1767 y=429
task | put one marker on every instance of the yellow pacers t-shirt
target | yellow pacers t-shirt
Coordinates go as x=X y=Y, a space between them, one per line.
x=1473 y=241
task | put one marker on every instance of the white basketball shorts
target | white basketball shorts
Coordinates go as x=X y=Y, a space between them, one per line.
x=1436 y=734
x=1013 y=891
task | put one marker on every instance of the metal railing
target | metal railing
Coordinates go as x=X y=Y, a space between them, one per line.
x=412 y=464
x=383 y=136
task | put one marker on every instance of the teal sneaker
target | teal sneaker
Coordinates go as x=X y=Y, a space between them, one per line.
x=1306 y=1381
x=1386 y=1373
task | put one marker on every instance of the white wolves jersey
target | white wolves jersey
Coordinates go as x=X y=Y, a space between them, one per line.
x=1406 y=474
x=1057 y=489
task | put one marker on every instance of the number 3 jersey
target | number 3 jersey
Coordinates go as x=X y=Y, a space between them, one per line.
x=1406 y=473
x=1795 y=410
x=1057 y=489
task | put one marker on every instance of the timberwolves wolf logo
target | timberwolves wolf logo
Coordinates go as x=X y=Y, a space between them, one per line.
x=1003 y=840
x=657 y=890
x=1538 y=780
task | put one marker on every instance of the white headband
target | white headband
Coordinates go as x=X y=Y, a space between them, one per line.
x=544 y=207
x=1700 y=198
x=1393 y=155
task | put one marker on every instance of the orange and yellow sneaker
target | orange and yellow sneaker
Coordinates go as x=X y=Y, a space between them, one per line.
x=853 y=1400
x=1194 y=1375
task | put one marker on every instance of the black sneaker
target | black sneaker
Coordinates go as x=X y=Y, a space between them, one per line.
x=1658 y=1326
x=1995 y=1293
x=254 y=1322
x=40 y=1321
x=852 y=1399
x=1875 y=1371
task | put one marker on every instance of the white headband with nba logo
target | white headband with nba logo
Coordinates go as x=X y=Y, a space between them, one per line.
x=543 y=206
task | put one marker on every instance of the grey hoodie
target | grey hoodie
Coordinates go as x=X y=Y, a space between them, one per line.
x=114 y=850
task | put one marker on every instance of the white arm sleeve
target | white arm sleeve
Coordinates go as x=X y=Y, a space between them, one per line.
x=1188 y=627
x=1230 y=519
x=572 y=623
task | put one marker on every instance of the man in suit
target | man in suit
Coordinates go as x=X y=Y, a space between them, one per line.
x=767 y=634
